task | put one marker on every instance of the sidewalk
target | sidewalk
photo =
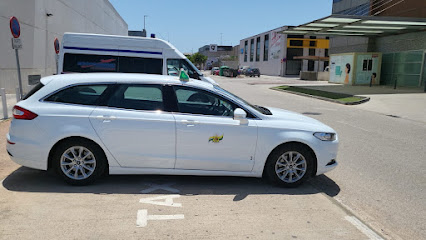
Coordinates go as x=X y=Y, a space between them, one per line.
x=408 y=103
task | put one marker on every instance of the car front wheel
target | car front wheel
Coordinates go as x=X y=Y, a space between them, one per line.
x=79 y=162
x=289 y=165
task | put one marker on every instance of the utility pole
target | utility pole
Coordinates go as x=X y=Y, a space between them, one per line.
x=144 y=29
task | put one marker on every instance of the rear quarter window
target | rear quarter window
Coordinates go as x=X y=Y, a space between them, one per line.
x=33 y=90
x=82 y=94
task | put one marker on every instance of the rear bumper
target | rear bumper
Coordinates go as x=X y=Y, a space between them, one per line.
x=20 y=152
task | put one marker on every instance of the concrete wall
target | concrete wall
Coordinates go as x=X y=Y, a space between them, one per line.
x=38 y=32
x=406 y=8
x=351 y=6
x=348 y=44
x=273 y=66
x=402 y=42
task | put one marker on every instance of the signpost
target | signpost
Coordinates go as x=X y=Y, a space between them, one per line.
x=56 y=45
x=15 y=29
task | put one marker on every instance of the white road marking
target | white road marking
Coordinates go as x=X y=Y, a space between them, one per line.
x=143 y=217
x=165 y=186
x=168 y=200
x=363 y=228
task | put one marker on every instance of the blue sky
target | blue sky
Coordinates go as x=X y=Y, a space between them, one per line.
x=190 y=24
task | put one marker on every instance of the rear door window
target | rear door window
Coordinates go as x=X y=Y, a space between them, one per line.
x=137 y=97
x=82 y=94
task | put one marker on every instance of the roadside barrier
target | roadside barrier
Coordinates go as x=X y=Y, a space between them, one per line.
x=4 y=103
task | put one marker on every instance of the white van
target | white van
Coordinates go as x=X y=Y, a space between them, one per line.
x=82 y=53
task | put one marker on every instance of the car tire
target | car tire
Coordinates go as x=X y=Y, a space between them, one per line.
x=282 y=172
x=79 y=162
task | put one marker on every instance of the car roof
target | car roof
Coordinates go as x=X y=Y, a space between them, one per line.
x=78 y=78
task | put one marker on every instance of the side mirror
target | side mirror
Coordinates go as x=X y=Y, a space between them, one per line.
x=241 y=115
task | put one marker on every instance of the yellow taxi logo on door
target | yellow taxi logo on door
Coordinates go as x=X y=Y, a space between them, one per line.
x=216 y=138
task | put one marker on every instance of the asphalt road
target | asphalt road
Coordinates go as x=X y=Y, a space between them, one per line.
x=382 y=171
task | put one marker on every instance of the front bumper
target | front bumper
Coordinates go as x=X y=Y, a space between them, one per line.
x=326 y=155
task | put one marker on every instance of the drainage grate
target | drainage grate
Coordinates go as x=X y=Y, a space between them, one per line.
x=394 y=116
x=311 y=113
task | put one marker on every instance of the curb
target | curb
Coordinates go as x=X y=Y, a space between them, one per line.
x=366 y=99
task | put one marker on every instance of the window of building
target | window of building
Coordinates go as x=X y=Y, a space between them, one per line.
x=82 y=94
x=266 y=48
x=311 y=65
x=245 y=51
x=326 y=53
x=251 y=50
x=257 y=49
x=313 y=43
x=137 y=97
x=312 y=52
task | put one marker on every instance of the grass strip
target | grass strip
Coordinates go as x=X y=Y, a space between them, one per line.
x=340 y=97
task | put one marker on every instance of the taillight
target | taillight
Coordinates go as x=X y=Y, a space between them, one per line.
x=22 y=113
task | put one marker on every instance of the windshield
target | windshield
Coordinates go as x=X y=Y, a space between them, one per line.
x=258 y=108
x=194 y=67
x=173 y=64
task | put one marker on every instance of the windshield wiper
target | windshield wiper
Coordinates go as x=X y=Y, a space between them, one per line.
x=264 y=110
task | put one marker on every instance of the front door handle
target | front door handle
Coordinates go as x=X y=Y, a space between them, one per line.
x=189 y=123
x=106 y=118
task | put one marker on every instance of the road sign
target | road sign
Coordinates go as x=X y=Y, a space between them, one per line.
x=16 y=43
x=213 y=47
x=15 y=28
x=56 y=44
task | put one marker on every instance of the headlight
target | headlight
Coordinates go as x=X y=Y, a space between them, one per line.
x=325 y=136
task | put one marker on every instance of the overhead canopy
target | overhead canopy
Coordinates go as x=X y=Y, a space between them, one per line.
x=347 y=25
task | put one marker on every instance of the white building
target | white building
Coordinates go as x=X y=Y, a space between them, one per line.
x=273 y=52
x=41 y=22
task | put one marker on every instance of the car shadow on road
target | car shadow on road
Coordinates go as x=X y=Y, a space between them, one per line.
x=30 y=180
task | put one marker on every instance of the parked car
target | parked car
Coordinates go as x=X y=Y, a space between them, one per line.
x=83 y=126
x=230 y=72
x=243 y=69
x=253 y=72
x=172 y=70
x=215 y=71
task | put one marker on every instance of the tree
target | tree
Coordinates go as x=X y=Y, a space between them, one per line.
x=198 y=58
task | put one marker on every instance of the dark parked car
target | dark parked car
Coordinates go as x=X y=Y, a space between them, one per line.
x=253 y=72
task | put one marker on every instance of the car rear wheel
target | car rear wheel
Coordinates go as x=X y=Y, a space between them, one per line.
x=79 y=162
x=289 y=165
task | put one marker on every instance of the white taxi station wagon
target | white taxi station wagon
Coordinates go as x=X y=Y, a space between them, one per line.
x=84 y=126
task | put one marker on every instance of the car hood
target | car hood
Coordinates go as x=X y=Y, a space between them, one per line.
x=288 y=119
